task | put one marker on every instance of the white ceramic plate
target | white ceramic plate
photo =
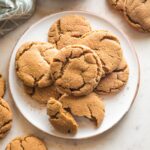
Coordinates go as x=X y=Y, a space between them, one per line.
x=116 y=105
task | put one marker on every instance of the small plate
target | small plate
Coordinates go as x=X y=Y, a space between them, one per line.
x=117 y=105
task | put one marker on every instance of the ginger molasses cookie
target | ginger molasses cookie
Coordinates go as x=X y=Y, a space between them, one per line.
x=33 y=61
x=2 y=86
x=137 y=13
x=26 y=143
x=60 y=119
x=118 y=4
x=67 y=29
x=90 y=106
x=107 y=47
x=76 y=70
x=5 y=118
x=42 y=95
x=114 y=81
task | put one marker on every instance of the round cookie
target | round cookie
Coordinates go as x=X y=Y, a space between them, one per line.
x=76 y=70
x=107 y=47
x=33 y=61
x=60 y=119
x=26 y=143
x=118 y=4
x=114 y=81
x=67 y=29
x=90 y=106
x=42 y=95
x=2 y=86
x=5 y=118
x=137 y=13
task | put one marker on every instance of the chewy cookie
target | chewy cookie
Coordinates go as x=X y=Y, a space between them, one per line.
x=5 y=118
x=90 y=106
x=114 y=81
x=107 y=47
x=60 y=119
x=76 y=70
x=137 y=13
x=33 y=61
x=26 y=143
x=2 y=86
x=67 y=29
x=42 y=95
x=118 y=4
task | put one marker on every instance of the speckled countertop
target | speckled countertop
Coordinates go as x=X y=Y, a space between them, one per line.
x=132 y=133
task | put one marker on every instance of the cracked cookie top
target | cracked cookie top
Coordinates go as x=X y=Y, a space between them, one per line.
x=137 y=13
x=61 y=120
x=114 y=81
x=26 y=143
x=42 y=95
x=5 y=118
x=68 y=28
x=118 y=4
x=2 y=86
x=76 y=70
x=33 y=61
x=90 y=106
x=107 y=47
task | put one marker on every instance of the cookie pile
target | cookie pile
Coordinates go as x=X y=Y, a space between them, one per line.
x=136 y=12
x=72 y=70
x=5 y=111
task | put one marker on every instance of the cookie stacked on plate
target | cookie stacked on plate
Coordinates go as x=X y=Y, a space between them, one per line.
x=136 y=12
x=72 y=70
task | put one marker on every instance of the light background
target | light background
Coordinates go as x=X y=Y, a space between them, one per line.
x=132 y=133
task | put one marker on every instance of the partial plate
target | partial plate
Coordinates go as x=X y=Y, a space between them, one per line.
x=116 y=105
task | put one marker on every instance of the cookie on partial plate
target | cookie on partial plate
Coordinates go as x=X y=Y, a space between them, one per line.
x=26 y=143
x=60 y=119
x=42 y=95
x=5 y=118
x=2 y=86
x=114 y=81
x=33 y=61
x=67 y=29
x=76 y=70
x=90 y=106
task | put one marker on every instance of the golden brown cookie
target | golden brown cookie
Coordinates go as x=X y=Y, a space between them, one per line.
x=60 y=119
x=118 y=4
x=5 y=118
x=76 y=70
x=90 y=106
x=71 y=26
x=33 y=61
x=107 y=47
x=42 y=95
x=114 y=81
x=2 y=86
x=137 y=13
x=26 y=143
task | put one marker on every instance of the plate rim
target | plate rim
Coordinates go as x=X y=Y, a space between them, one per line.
x=97 y=16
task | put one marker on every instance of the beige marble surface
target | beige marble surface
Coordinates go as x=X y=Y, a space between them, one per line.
x=132 y=133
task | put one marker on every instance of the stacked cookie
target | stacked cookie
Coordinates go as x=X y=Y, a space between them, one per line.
x=72 y=70
x=136 y=12
x=5 y=111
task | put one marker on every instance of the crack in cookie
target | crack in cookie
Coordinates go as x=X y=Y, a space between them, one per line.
x=5 y=118
x=61 y=119
x=90 y=106
x=76 y=70
x=33 y=61
x=26 y=143
x=114 y=81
